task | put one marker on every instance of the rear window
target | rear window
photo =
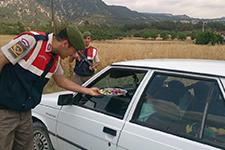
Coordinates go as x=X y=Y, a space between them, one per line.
x=185 y=106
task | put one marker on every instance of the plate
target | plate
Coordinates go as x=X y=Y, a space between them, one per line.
x=113 y=91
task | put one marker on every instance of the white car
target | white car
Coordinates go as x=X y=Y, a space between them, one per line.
x=162 y=104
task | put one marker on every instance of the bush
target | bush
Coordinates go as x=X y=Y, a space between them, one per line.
x=19 y=27
x=148 y=34
x=165 y=35
x=204 y=38
x=8 y=28
x=181 y=36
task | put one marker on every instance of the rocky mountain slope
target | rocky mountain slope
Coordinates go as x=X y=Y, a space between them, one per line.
x=79 y=11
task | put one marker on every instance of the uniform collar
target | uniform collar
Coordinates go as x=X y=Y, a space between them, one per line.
x=49 y=43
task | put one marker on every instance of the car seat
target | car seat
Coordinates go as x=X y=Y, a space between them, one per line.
x=155 y=86
x=176 y=91
x=201 y=91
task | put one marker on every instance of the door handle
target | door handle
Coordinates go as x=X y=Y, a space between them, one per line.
x=109 y=131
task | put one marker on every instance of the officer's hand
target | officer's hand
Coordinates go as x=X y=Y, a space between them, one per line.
x=94 y=91
x=77 y=56
x=92 y=68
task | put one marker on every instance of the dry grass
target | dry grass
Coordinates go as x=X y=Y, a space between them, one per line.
x=117 y=50
x=4 y=39
x=127 y=49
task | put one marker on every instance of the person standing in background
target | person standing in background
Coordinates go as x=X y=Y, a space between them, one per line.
x=87 y=60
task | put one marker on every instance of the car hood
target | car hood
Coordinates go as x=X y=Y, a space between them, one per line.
x=51 y=100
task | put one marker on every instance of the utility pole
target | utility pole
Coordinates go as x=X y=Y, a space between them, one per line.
x=203 y=26
x=53 y=17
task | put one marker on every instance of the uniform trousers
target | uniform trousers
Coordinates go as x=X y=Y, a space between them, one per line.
x=16 y=130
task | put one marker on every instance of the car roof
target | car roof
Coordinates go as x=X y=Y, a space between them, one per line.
x=200 y=66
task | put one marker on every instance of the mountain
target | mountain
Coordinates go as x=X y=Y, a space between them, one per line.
x=80 y=12
x=23 y=10
x=93 y=12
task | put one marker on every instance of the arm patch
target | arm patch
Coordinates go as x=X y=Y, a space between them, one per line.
x=18 y=49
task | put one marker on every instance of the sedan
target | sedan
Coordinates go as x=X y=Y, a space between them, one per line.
x=159 y=104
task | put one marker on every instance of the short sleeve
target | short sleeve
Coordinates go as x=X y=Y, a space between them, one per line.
x=18 y=48
x=59 y=70
x=96 y=58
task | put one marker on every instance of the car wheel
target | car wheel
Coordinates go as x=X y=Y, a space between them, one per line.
x=41 y=138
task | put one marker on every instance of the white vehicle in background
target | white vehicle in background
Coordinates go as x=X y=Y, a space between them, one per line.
x=170 y=104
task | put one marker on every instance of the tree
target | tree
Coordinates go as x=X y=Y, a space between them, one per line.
x=181 y=36
x=204 y=38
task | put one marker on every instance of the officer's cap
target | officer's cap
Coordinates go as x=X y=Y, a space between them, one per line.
x=75 y=38
x=86 y=33
x=73 y=35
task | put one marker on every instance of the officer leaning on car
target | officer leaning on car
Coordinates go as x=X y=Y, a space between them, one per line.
x=27 y=63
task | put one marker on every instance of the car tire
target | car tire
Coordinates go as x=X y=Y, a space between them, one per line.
x=41 y=138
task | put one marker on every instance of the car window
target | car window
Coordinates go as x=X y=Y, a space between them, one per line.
x=114 y=105
x=177 y=104
x=214 y=129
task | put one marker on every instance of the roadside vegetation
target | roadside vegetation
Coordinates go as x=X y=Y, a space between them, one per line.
x=140 y=41
x=138 y=48
x=165 y=30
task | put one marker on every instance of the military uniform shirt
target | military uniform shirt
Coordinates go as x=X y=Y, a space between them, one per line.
x=17 y=50
x=21 y=80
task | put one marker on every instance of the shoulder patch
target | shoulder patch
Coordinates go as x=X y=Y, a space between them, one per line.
x=25 y=42
x=18 y=49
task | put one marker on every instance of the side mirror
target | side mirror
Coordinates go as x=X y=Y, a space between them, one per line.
x=65 y=99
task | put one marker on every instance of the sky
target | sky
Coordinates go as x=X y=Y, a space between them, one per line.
x=206 y=9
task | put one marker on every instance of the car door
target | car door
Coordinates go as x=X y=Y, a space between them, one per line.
x=177 y=111
x=95 y=123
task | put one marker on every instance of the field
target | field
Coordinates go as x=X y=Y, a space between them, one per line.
x=126 y=49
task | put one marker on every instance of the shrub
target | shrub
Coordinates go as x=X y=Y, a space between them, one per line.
x=204 y=38
x=181 y=36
